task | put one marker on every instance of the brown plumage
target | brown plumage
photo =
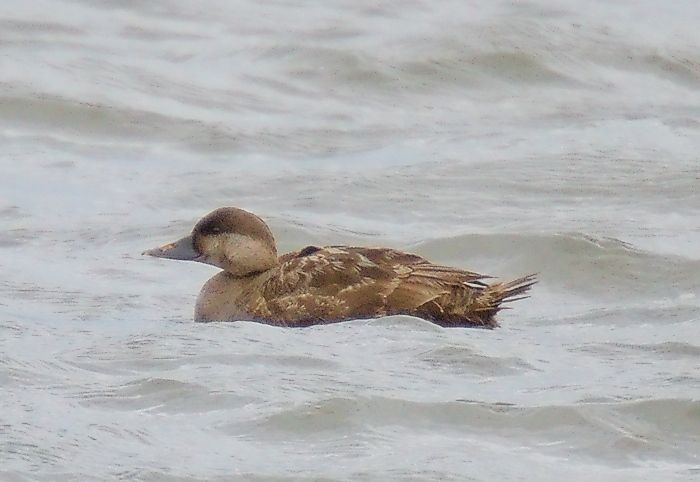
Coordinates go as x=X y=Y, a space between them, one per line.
x=324 y=285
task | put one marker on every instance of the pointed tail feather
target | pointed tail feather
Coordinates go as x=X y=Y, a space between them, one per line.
x=498 y=293
x=512 y=290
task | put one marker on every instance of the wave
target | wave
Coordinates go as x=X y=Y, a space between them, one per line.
x=161 y=395
x=76 y=119
x=614 y=430
x=573 y=262
x=667 y=350
x=468 y=361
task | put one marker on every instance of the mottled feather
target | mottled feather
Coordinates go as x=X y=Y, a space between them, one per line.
x=320 y=285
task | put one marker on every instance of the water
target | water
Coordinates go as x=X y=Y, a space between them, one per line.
x=501 y=137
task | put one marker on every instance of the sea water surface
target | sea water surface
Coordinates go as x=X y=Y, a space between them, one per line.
x=556 y=137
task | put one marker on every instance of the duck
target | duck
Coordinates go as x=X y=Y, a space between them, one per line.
x=320 y=285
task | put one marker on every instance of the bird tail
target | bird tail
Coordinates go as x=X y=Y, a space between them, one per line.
x=490 y=300
x=512 y=290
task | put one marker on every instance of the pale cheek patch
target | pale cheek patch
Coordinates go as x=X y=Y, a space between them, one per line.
x=211 y=245
x=213 y=249
x=236 y=253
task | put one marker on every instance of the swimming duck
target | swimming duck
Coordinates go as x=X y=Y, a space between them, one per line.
x=318 y=285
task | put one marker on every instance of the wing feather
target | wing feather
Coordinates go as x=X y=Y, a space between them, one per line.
x=339 y=282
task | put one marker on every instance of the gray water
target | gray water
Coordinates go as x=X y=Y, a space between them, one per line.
x=503 y=137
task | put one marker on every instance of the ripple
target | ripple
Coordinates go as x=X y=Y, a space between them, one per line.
x=161 y=395
x=577 y=262
x=459 y=359
x=668 y=350
x=613 y=431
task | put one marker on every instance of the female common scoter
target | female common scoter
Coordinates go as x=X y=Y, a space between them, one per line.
x=326 y=285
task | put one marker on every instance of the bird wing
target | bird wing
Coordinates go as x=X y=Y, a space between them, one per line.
x=340 y=282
